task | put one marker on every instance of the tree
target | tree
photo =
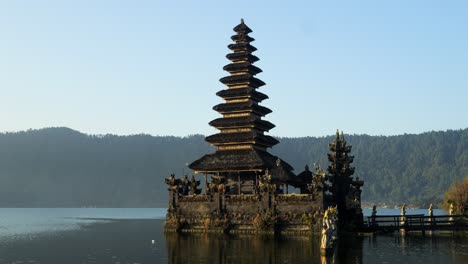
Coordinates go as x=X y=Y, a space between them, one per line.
x=458 y=195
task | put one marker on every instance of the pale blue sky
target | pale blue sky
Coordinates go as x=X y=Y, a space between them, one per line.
x=129 y=67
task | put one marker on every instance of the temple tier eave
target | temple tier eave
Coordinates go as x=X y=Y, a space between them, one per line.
x=242 y=28
x=242 y=137
x=242 y=160
x=247 y=106
x=246 y=78
x=239 y=122
x=244 y=67
x=242 y=93
x=242 y=57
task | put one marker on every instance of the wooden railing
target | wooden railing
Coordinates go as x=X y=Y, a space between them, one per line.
x=418 y=222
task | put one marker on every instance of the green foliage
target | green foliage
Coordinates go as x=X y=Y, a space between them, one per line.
x=457 y=196
x=59 y=167
x=416 y=169
x=64 y=168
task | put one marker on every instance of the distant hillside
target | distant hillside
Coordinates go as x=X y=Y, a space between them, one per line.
x=60 y=167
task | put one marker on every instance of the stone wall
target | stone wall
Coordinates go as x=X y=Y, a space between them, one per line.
x=196 y=205
x=264 y=213
x=298 y=203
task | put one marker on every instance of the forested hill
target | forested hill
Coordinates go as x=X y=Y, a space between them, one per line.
x=60 y=167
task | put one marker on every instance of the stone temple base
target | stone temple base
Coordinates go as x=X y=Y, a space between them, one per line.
x=266 y=213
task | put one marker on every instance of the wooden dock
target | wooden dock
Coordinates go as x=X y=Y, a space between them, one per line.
x=417 y=222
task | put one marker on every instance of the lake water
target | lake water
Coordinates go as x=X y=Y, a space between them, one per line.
x=96 y=235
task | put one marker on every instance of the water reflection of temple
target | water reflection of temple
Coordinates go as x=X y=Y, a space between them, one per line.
x=227 y=249
x=206 y=248
x=246 y=187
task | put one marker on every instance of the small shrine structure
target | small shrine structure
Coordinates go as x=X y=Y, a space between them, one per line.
x=246 y=187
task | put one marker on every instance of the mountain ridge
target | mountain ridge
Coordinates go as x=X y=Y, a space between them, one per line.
x=62 y=167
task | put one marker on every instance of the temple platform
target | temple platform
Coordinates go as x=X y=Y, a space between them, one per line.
x=264 y=213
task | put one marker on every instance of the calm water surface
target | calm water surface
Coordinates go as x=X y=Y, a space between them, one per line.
x=96 y=235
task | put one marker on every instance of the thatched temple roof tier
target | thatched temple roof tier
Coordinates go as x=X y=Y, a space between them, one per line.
x=243 y=160
x=239 y=122
x=242 y=137
x=302 y=178
x=242 y=28
x=242 y=47
x=240 y=79
x=248 y=106
x=242 y=93
x=242 y=56
x=246 y=67
x=242 y=38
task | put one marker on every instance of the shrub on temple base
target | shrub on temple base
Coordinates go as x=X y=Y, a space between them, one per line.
x=265 y=220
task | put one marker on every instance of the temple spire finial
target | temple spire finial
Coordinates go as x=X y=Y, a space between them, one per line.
x=242 y=21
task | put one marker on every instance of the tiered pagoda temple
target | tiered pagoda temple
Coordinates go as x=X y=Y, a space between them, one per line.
x=246 y=187
x=345 y=190
x=241 y=143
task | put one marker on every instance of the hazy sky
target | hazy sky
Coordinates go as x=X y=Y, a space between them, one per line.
x=129 y=67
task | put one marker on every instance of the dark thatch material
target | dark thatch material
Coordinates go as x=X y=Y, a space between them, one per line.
x=242 y=47
x=242 y=56
x=243 y=160
x=242 y=28
x=242 y=38
x=302 y=178
x=242 y=137
x=246 y=121
x=242 y=67
x=242 y=93
x=248 y=106
x=244 y=78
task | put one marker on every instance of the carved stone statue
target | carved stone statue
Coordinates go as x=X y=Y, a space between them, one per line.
x=329 y=230
x=374 y=214
x=194 y=189
x=326 y=238
x=403 y=213
x=451 y=212
x=185 y=185
x=173 y=183
x=430 y=213
x=265 y=184
x=217 y=184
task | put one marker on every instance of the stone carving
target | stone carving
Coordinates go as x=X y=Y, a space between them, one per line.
x=217 y=185
x=265 y=220
x=403 y=214
x=329 y=230
x=183 y=186
x=373 y=215
x=451 y=211
x=430 y=213
x=194 y=189
x=265 y=184
x=173 y=183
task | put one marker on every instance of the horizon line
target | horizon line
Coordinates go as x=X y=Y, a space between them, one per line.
x=200 y=134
